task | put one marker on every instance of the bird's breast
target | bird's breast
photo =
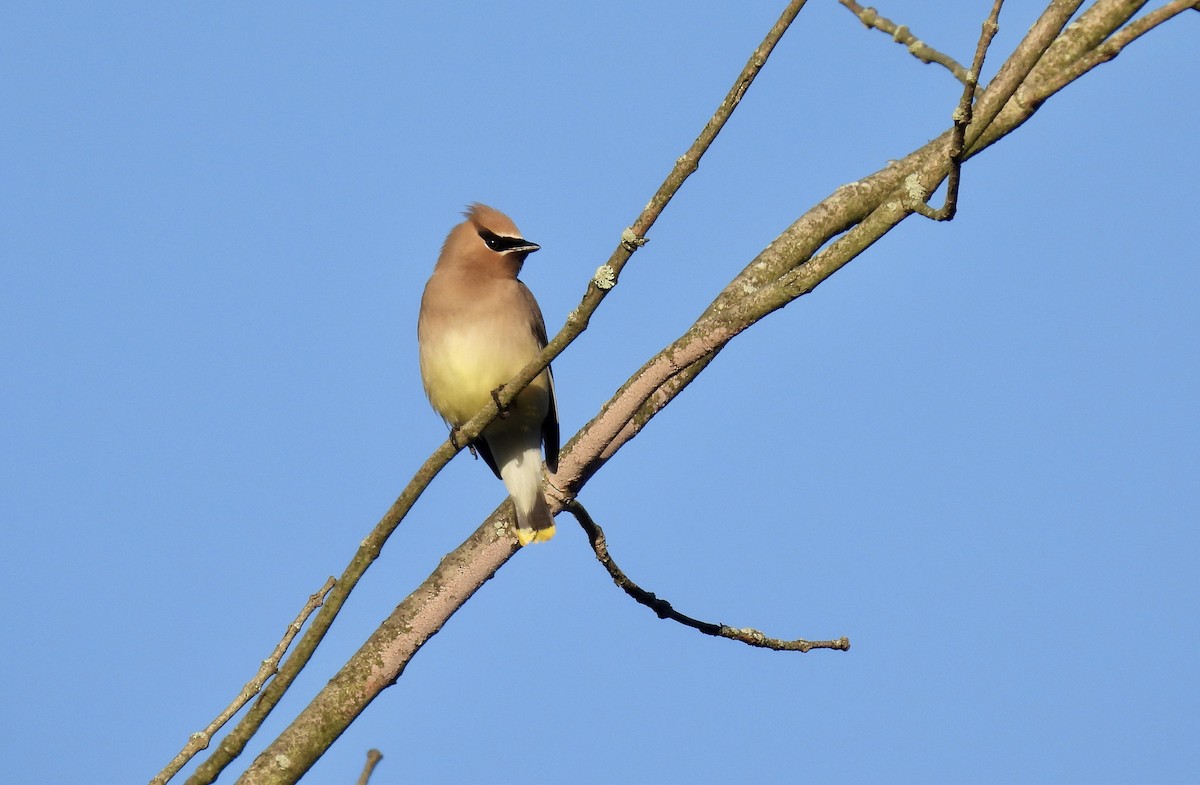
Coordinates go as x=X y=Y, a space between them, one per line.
x=462 y=363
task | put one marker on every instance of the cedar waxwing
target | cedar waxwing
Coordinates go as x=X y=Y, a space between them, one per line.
x=479 y=326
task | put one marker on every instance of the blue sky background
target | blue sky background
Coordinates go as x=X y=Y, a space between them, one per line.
x=974 y=451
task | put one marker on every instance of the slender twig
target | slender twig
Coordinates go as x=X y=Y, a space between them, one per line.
x=664 y=610
x=902 y=35
x=270 y=666
x=962 y=119
x=1043 y=34
x=632 y=238
x=373 y=758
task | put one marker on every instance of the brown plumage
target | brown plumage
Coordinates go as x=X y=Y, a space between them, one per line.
x=478 y=327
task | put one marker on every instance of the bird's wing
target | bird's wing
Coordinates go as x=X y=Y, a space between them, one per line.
x=485 y=452
x=550 y=434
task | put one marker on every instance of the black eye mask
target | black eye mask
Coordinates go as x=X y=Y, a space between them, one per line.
x=504 y=244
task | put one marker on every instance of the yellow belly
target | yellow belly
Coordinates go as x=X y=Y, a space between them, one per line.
x=462 y=368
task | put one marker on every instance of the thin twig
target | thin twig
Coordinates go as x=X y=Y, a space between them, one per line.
x=270 y=666
x=664 y=610
x=1012 y=76
x=373 y=758
x=902 y=35
x=962 y=118
x=634 y=236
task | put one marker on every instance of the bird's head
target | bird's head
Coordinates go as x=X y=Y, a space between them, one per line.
x=488 y=241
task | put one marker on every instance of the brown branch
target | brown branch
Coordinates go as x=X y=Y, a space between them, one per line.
x=902 y=35
x=634 y=237
x=687 y=164
x=1113 y=45
x=1103 y=26
x=368 y=550
x=373 y=758
x=962 y=119
x=664 y=610
x=1018 y=71
x=270 y=666
x=861 y=212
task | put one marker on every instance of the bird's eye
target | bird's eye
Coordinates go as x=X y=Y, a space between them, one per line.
x=493 y=242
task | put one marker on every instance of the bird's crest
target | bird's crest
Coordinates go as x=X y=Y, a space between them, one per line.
x=490 y=219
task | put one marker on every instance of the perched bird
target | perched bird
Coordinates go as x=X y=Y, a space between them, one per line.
x=479 y=326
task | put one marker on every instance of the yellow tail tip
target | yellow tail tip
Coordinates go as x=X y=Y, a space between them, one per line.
x=526 y=536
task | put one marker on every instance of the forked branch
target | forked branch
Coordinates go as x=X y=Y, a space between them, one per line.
x=962 y=118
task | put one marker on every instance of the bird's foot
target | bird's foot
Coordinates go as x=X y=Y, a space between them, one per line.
x=501 y=409
x=455 y=442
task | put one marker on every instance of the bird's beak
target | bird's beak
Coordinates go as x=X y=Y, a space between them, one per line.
x=527 y=248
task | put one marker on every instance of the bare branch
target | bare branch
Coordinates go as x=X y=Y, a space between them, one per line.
x=664 y=610
x=368 y=550
x=962 y=118
x=634 y=236
x=270 y=666
x=687 y=164
x=1127 y=35
x=1095 y=37
x=373 y=758
x=864 y=210
x=902 y=35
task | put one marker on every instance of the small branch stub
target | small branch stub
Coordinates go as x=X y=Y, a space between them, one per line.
x=605 y=277
x=373 y=758
x=630 y=239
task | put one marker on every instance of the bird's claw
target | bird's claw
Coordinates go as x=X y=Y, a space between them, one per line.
x=469 y=445
x=501 y=409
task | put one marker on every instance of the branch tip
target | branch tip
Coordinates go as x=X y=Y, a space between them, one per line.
x=901 y=34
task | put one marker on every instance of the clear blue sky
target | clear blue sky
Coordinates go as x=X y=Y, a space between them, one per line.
x=974 y=451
